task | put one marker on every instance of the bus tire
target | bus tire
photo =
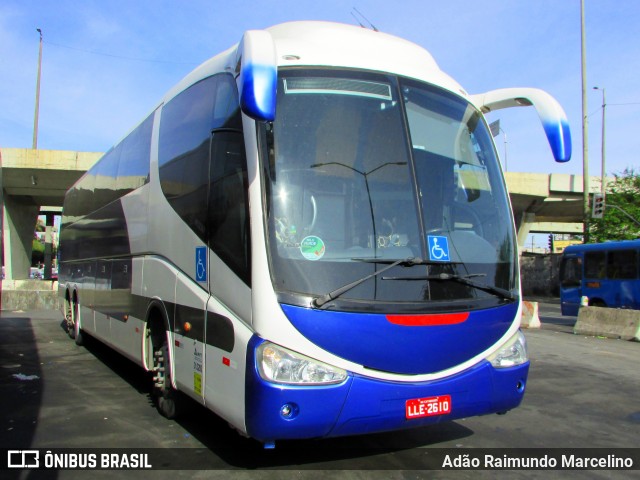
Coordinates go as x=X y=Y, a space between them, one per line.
x=68 y=315
x=597 y=302
x=74 y=325
x=166 y=398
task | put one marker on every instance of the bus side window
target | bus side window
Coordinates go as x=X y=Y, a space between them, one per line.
x=183 y=151
x=571 y=272
x=133 y=168
x=595 y=265
x=622 y=264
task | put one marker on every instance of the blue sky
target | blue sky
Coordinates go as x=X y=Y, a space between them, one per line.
x=106 y=63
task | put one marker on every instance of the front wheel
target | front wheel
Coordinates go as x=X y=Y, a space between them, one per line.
x=165 y=396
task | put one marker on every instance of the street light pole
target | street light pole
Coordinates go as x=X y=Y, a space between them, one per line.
x=585 y=129
x=35 y=119
x=604 y=105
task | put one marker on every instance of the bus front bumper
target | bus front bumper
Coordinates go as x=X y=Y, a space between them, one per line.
x=362 y=405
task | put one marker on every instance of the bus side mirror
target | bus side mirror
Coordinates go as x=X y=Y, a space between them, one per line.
x=258 y=75
x=551 y=114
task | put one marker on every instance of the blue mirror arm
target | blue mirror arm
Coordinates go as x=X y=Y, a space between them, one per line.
x=552 y=116
x=257 y=81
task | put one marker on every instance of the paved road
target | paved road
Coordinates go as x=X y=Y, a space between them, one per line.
x=582 y=392
x=551 y=317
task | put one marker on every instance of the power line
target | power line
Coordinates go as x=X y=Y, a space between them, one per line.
x=622 y=104
x=613 y=105
x=122 y=57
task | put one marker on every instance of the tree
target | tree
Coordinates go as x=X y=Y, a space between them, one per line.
x=621 y=209
x=37 y=252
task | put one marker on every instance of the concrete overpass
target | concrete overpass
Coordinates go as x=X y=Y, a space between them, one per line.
x=547 y=203
x=34 y=182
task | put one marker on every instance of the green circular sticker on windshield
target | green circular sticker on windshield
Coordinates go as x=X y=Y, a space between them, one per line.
x=312 y=248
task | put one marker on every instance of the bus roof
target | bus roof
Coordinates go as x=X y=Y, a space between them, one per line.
x=340 y=45
x=315 y=43
x=601 y=247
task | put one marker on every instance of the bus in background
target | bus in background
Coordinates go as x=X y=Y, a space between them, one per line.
x=311 y=236
x=608 y=274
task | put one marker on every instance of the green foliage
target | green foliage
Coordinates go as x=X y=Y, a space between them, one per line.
x=37 y=252
x=623 y=193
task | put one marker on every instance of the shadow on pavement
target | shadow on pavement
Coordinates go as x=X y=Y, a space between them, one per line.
x=227 y=449
x=21 y=382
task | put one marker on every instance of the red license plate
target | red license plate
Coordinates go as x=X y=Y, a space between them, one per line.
x=428 y=407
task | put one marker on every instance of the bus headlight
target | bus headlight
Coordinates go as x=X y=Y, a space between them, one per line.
x=512 y=353
x=281 y=365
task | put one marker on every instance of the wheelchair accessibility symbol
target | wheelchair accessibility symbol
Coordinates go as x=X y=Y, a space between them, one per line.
x=201 y=264
x=438 y=248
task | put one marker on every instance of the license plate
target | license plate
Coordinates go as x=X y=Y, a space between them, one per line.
x=428 y=407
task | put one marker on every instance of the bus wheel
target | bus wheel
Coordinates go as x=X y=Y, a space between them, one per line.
x=596 y=302
x=165 y=396
x=73 y=323
x=68 y=316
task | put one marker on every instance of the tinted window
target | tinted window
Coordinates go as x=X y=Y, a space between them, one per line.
x=185 y=129
x=122 y=169
x=187 y=122
x=106 y=171
x=185 y=132
x=79 y=199
x=226 y=112
x=133 y=168
x=228 y=202
x=622 y=264
x=594 y=265
x=571 y=271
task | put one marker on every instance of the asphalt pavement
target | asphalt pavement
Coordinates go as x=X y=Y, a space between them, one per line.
x=582 y=392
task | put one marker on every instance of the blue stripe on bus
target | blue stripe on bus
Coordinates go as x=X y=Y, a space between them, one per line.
x=373 y=341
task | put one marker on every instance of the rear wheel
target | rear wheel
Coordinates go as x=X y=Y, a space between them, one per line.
x=596 y=302
x=68 y=315
x=73 y=321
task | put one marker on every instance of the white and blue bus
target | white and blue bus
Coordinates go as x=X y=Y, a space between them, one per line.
x=608 y=274
x=311 y=236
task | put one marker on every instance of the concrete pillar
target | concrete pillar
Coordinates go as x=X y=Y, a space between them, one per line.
x=523 y=224
x=19 y=225
x=48 y=247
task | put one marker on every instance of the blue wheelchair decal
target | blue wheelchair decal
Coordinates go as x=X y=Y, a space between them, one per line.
x=201 y=264
x=438 y=248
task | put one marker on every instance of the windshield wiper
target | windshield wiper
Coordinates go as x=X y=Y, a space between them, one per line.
x=416 y=261
x=463 y=279
x=322 y=299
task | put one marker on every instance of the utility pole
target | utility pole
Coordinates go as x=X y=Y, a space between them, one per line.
x=604 y=105
x=35 y=119
x=585 y=129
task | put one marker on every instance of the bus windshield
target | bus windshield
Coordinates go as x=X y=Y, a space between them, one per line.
x=367 y=169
